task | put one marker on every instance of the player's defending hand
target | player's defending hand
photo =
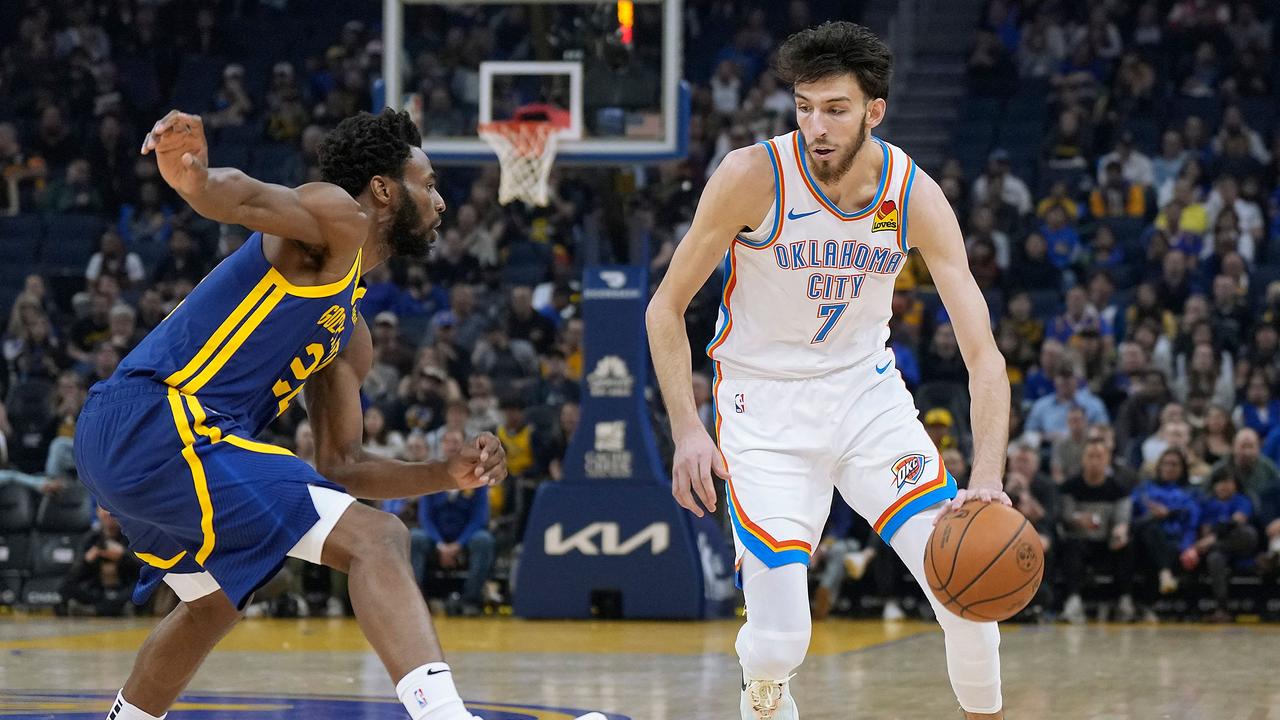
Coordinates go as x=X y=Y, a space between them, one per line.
x=985 y=492
x=696 y=458
x=482 y=463
x=181 y=151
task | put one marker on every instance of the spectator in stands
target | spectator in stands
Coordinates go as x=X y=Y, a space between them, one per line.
x=1119 y=384
x=1136 y=168
x=1133 y=92
x=524 y=323
x=453 y=533
x=183 y=262
x=1256 y=475
x=942 y=362
x=1047 y=419
x=113 y=259
x=1229 y=318
x=1069 y=143
x=1213 y=442
x=1036 y=271
x=287 y=113
x=104 y=573
x=998 y=177
x=838 y=557
x=54 y=140
x=1227 y=537
x=1035 y=495
x=984 y=266
x=1068 y=450
x=1059 y=196
x=94 y=328
x=1117 y=196
x=148 y=223
x=1078 y=316
x=123 y=325
x=1063 y=239
x=982 y=228
x=1095 y=532
x=31 y=349
x=379 y=439
x=1248 y=214
x=1174 y=286
x=1139 y=416
x=1165 y=518
x=1234 y=125
x=75 y=192
x=24 y=173
x=1260 y=411
x=1168 y=164
x=939 y=424
x=511 y=363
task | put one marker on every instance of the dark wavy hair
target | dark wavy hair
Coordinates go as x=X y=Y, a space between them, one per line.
x=366 y=145
x=836 y=48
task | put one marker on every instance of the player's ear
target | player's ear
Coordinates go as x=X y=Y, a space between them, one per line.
x=380 y=189
x=875 y=112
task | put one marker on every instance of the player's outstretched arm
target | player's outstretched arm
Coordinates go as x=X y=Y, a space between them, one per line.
x=936 y=233
x=333 y=405
x=315 y=213
x=736 y=197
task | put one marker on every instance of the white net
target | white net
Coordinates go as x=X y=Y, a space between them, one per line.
x=526 y=150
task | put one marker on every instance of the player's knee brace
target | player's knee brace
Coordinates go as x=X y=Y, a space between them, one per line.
x=973 y=661
x=775 y=638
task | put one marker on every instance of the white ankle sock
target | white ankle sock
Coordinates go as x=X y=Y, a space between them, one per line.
x=428 y=694
x=122 y=710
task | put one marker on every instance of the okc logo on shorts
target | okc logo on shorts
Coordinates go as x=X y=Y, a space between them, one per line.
x=908 y=470
x=421 y=697
x=740 y=403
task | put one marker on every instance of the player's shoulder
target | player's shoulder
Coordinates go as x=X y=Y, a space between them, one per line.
x=751 y=162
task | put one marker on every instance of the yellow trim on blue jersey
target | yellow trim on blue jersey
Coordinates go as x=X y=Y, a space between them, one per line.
x=216 y=435
x=197 y=474
x=242 y=334
x=159 y=562
x=317 y=291
x=220 y=334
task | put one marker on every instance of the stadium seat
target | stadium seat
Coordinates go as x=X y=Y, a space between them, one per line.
x=71 y=240
x=60 y=521
x=17 y=515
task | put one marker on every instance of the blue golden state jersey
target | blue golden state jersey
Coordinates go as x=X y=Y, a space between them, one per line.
x=245 y=340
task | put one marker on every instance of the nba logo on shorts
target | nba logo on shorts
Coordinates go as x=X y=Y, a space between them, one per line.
x=421 y=697
x=908 y=470
x=740 y=403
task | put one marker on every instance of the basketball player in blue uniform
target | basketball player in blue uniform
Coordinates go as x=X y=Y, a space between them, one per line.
x=166 y=444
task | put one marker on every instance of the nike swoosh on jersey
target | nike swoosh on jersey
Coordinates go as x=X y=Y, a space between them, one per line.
x=791 y=214
x=881 y=368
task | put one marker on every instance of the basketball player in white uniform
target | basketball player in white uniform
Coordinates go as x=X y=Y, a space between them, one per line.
x=810 y=229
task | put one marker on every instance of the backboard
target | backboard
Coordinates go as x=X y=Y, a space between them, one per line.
x=614 y=67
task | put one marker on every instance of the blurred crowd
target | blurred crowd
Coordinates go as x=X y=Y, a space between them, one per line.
x=1115 y=178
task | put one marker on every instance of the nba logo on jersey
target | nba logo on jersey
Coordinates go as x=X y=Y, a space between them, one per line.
x=908 y=470
x=886 y=217
x=740 y=403
x=421 y=697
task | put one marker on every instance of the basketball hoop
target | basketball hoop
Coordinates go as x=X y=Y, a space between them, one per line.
x=526 y=149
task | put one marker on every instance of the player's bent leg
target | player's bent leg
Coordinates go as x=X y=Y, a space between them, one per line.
x=372 y=547
x=775 y=638
x=177 y=646
x=973 y=648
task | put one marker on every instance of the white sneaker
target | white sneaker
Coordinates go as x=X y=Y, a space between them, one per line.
x=1125 y=610
x=893 y=611
x=334 y=608
x=591 y=716
x=855 y=563
x=768 y=700
x=1168 y=583
x=1073 y=610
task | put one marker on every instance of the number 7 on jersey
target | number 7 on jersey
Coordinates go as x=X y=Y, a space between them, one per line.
x=831 y=312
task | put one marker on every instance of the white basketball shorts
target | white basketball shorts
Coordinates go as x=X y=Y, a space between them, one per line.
x=788 y=443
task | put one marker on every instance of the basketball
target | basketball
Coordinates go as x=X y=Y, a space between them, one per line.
x=984 y=561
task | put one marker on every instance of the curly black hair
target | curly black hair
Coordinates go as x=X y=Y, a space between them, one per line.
x=366 y=145
x=836 y=48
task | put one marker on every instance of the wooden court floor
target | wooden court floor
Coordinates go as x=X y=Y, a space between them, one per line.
x=509 y=669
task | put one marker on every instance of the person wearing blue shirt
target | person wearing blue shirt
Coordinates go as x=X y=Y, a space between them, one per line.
x=1048 y=416
x=1227 y=536
x=450 y=523
x=1165 y=517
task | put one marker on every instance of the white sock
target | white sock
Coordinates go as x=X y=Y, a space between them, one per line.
x=122 y=710
x=428 y=694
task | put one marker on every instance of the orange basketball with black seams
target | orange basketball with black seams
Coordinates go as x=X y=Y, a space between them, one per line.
x=984 y=561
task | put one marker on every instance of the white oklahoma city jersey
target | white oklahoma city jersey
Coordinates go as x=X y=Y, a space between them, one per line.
x=810 y=291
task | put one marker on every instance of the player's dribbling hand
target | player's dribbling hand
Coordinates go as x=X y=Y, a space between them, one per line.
x=182 y=153
x=483 y=463
x=984 y=493
x=695 y=459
